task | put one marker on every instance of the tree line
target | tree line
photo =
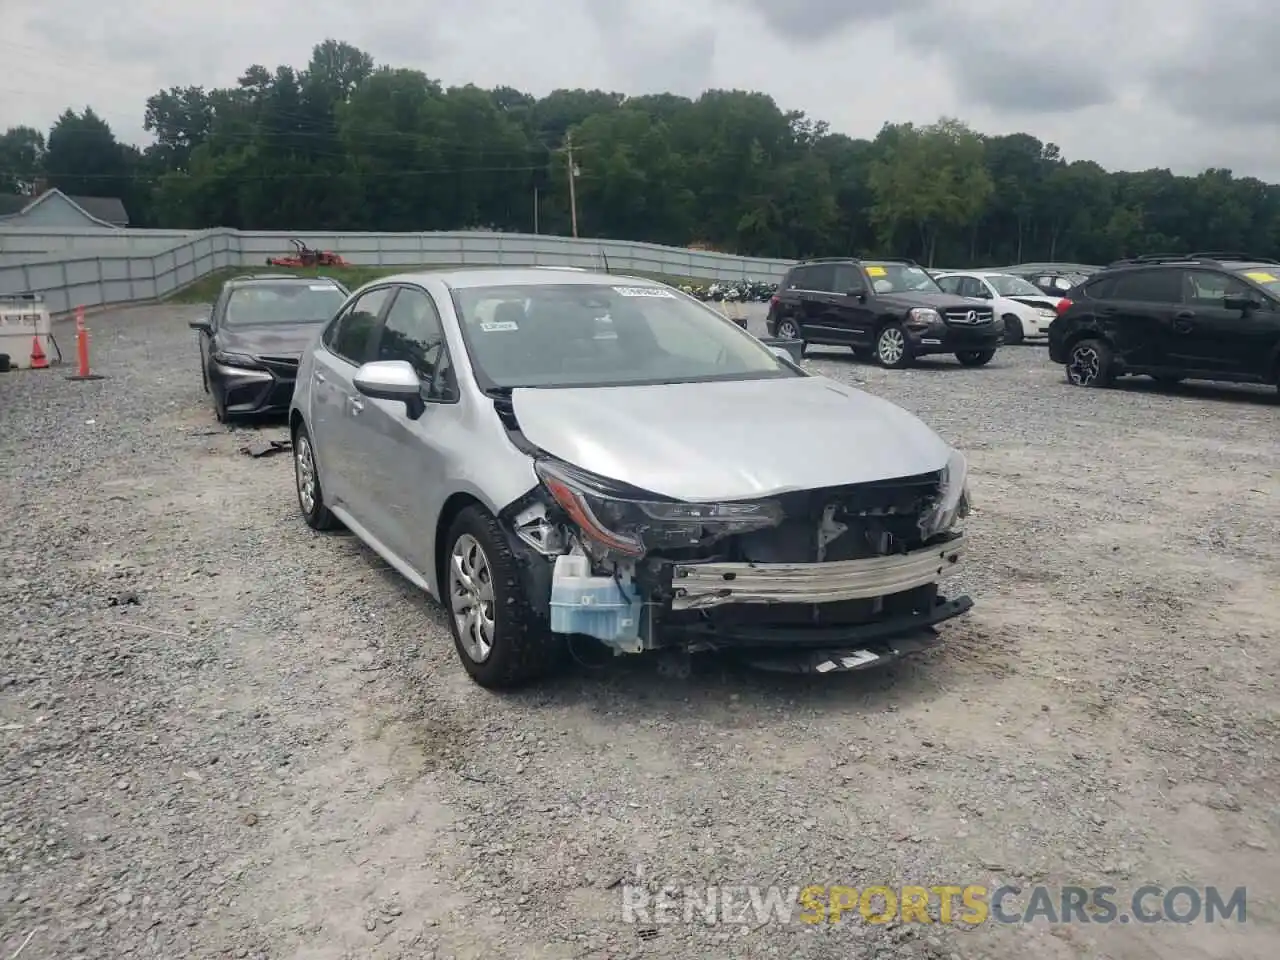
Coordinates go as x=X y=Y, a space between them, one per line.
x=346 y=144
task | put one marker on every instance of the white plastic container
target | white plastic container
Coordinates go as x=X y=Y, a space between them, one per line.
x=598 y=607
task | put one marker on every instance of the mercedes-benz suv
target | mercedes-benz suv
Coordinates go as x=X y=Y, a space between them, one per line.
x=890 y=310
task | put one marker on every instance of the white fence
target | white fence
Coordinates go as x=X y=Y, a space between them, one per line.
x=93 y=268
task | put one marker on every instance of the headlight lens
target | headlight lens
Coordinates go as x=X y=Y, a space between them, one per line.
x=922 y=316
x=235 y=359
x=632 y=527
x=953 y=499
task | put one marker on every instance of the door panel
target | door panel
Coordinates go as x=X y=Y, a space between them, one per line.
x=1138 y=315
x=409 y=465
x=1206 y=335
x=336 y=405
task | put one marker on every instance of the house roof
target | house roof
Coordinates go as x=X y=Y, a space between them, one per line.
x=108 y=211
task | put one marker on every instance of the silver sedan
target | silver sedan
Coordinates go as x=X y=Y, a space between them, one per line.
x=557 y=454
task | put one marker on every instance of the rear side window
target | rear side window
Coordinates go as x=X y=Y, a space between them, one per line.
x=1149 y=286
x=350 y=335
x=1100 y=289
x=822 y=277
x=794 y=279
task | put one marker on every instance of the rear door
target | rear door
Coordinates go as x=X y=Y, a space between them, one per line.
x=347 y=343
x=1208 y=336
x=1137 y=314
x=818 y=301
x=787 y=305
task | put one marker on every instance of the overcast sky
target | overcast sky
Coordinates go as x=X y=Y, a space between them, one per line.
x=1171 y=83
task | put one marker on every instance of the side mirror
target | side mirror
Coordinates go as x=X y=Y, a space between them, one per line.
x=858 y=293
x=1244 y=303
x=391 y=380
x=204 y=326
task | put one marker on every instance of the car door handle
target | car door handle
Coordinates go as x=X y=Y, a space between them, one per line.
x=318 y=377
x=356 y=404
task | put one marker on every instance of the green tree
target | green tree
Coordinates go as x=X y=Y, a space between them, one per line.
x=21 y=159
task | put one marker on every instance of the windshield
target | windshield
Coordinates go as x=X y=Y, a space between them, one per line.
x=579 y=335
x=282 y=303
x=1007 y=286
x=900 y=278
x=1266 y=277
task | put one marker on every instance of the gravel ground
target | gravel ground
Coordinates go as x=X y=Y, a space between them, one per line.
x=226 y=736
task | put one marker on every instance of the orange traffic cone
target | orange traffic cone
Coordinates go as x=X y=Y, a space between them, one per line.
x=38 y=359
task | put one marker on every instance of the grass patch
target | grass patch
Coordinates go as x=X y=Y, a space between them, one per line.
x=205 y=290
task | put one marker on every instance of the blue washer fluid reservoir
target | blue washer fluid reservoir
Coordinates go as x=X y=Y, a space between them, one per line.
x=599 y=607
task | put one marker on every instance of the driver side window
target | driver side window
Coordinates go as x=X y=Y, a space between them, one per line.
x=350 y=335
x=413 y=332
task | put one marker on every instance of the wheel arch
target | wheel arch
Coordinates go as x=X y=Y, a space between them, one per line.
x=453 y=505
x=1085 y=333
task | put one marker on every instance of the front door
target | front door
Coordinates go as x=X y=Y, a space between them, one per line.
x=849 y=314
x=1208 y=336
x=410 y=451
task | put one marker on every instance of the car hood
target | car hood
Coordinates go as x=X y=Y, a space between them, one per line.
x=920 y=298
x=729 y=440
x=1039 y=302
x=269 y=340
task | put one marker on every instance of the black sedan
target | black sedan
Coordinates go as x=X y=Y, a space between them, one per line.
x=250 y=345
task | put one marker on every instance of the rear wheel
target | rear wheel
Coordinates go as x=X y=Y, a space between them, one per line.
x=1089 y=364
x=975 y=358
x=501 y=643
x=1012 y=329
x=788 y=330
x=892 y=350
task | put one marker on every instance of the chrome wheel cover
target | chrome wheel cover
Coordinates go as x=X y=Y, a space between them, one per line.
x=304 y=468
x=1084 y=366
x=471 y=597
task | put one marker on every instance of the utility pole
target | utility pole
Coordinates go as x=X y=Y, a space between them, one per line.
x=573 y=174
x=535 y=209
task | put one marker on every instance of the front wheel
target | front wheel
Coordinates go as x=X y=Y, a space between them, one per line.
x=891 y=347
x=500 y=641
x=1089 y=364
x=1013 y=333
x=975 y=358
x=307 y=480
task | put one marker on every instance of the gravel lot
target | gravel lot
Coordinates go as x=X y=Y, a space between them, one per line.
x=226 y=736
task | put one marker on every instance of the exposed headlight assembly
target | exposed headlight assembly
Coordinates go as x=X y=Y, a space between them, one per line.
x=610 y=517
x=953 y=499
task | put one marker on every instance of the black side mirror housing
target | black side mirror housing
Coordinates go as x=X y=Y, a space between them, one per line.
x=858 y=293
x=204 y=326
x=1245 y=303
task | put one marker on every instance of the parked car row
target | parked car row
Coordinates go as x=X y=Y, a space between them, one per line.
x=1204 y=316
x=560 y=455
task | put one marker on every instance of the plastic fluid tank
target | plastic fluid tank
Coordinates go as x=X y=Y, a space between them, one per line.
x=598 y=607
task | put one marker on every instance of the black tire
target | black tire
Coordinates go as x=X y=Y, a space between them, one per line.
x=893 y=349
x=975 y=358
x=523 y=648
x=315 y=513
x=1089 y=364
x=865 y=354
x=1012 y=329
x=788 y=329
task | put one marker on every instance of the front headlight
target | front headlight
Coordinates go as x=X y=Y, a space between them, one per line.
x=922 y=316
x=953 y=498
x=235 y=360
x=631 y=526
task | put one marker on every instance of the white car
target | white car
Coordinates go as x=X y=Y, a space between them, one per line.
x=1024 y=309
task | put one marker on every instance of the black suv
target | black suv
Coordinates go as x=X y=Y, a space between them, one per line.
x=888 y=309
x=1198 y=316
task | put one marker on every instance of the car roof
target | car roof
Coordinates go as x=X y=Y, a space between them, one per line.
x=279 y=278
x=464 y=278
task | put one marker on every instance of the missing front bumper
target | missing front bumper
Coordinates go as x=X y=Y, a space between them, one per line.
x=703 y=586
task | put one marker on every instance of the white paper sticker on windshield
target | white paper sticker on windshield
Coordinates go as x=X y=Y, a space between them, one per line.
x=323 y=286
x=499 y=326
x=644 y=292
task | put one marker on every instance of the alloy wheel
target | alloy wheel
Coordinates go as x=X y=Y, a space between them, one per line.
x=891 y=346
x=471 y=597
x=787 y=331
x=1084 y=366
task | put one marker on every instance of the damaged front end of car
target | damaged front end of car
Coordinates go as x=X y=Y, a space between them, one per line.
x=827 y=579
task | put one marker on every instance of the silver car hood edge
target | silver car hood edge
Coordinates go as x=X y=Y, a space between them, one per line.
x=734 y=440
